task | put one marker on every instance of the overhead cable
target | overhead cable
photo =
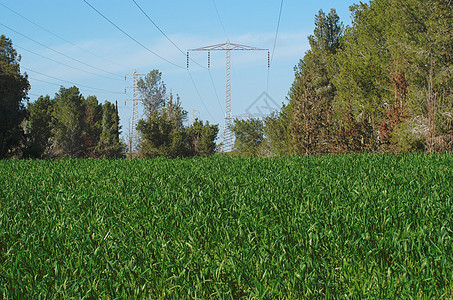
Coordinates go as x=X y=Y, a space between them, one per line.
x=59 y=62
x=199 y=95
x=59 y=52
x=57 y=84
x=66 y=41
x=215 y=91
x=163 y=33
x=183 y=53
x=132 y=38
x=275 y=43
x=220 y=20
x=276 y=32
x=73 y=83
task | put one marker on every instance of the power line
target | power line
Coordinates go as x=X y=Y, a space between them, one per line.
x=155 y=25
x=163 y=33
x=149 y=18
x=65 y=40
x=215 y=91
x=275 y=43
x=70 y=82
x=199 y=95
x=218 y=16
x=58 y=52
x=183 y=53
x=57 y=84
x=34 y=95
x=132 y=38
x=58 y=62
x=276 y=32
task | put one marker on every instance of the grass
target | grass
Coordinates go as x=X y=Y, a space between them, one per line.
x=352 y=226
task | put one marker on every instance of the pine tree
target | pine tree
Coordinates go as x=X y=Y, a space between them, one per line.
x=92 y=125
x=249 y=135
x=201 y=138
x=313 y=91
x=109 y=145
x=13 y=92
x=39 y=128
x=68 y=122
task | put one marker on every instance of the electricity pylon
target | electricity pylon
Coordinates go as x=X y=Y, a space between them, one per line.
x=227 y=47
x=133 y=136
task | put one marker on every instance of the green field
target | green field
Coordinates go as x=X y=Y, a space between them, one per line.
x=355 y=226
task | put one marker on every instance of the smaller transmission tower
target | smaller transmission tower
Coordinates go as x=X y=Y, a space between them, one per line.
x=195 y=114
x=133 y=136
x=227 y=47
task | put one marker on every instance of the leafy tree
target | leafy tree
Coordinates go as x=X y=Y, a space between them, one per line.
x=313 y=91
x=39 y=128
x=163 y=133
x=69 y=125
x=364 y=83
x=68 y=122
x=155 y=135
x=276 y=133
x=423 y=30
x=394 y=70
x=303 y=127
x=152 y=91
x=13 y=91
x=249 y=134
x=109 y=142
x=201 y=138
x=327 y=33
x=383 y=83
x=351 y=135
x=92 y=125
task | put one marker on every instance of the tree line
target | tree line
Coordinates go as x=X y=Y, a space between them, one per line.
x=73 y=126
x=66 y=125
x=70 y=125
x=383 y=84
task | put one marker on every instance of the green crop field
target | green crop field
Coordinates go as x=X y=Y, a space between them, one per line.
x=354 y=226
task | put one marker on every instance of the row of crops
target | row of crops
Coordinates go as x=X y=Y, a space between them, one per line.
x=358 y=226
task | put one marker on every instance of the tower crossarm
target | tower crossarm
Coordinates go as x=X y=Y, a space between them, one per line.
x=228 y=46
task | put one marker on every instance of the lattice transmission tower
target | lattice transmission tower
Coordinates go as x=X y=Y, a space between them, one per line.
x=227 y=47
x=133 y=136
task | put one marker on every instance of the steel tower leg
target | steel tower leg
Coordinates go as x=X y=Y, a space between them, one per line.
x=227 y=133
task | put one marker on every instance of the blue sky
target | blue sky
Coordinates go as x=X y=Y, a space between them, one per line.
x=95 y=56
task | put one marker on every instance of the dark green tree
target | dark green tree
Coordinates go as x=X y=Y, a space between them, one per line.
x=276 y=133
x=109 y=145
x=249 y=135
x=303 y=127
x=13 y=92
x=92 y=125
x=152 y=91
x=163 y=133
x=327 y=33
x=313 y=91
x=68 y=122
x=201 y=138
x=39 y=128
x=395 y=72
x=421 y=41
